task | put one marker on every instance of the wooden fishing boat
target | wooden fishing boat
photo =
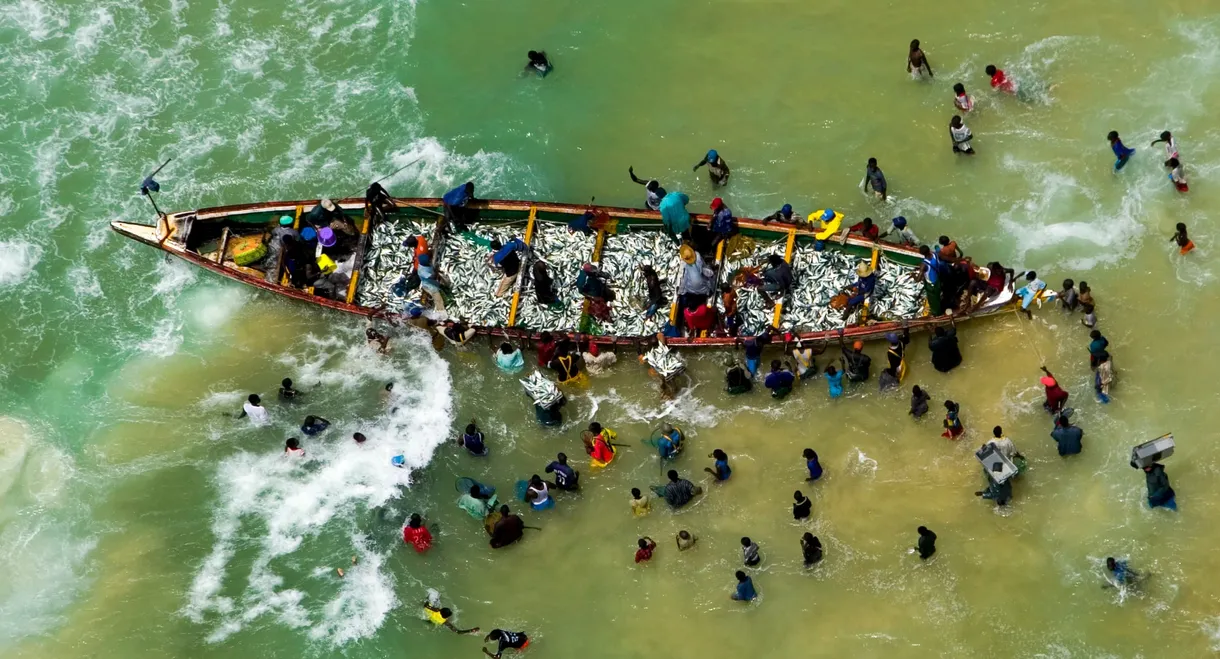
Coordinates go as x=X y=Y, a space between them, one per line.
x=206 y=237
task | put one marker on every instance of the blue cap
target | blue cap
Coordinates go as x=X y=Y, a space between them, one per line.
x=424 y=259
x=787 y=209
x=712 y=155
x=414 y=311
x=828 y=214
x=308 y=233
x=900 y=222
x=891 y=337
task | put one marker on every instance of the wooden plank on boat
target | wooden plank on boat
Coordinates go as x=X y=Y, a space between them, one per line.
x=358 y=264
x=224 y=245
x=529 y=235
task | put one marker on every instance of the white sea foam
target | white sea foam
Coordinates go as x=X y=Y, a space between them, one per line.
x=279 y=506
x=17 y=261
x=84 y=282
x=41 y=554
x=39 y=21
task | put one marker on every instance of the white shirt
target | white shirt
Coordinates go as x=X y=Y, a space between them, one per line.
x=1005 y=446
x=257 y=413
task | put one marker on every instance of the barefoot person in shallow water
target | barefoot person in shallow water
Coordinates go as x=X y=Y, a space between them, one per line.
x=917 y=62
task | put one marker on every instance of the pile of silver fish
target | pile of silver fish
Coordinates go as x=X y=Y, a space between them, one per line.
x=755 y=313
x=543 y=391
x=622 y=256
x=818 y=277
x=563 y=253
x=386 y=261
x=472 y=278
x=664 y=361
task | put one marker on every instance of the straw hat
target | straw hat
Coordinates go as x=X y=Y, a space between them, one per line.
x=687 y=253
x=863 y=270
x=328 y=205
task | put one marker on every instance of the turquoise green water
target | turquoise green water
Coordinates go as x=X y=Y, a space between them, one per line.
x=137 y=519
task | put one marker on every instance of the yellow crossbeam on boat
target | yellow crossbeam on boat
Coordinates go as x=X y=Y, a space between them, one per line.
x=529 y=235
x=351 y=286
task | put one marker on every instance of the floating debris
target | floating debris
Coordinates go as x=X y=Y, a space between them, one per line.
x=543 y=391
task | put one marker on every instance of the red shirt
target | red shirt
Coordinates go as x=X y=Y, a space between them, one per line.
x=420 y=537
x=700 y=319
x=644 y=553
x=421 y=247
x=871 y=234
x=1001 y=82
x=546 y=352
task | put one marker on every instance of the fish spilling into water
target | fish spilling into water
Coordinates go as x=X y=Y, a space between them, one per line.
x=664 y=361
x=544 y=392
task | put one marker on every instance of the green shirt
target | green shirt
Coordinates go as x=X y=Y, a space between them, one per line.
x=476 y=508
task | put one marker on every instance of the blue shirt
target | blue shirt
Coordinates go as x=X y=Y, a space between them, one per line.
x=745 y=590
x=512 y=246
x=1120 y=149
x=456 y=196
x=933 y=270
x=815 y=469
x=565 y=476
x=474 y=443
x=668 y=445
x=722 y=221
x=581 y=223
x=315 y=427
x=1120 y=572
x=835 y=382
x=673 y=212
x=722 y=470
x=779 y=380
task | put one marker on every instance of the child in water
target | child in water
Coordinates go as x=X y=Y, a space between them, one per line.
x=961 y=101
x=1177 y=175
x=961 y=136
x=1183 y=241
x=1121 y=153
x=1171 y=145
x=722 y=470
x=952 y=423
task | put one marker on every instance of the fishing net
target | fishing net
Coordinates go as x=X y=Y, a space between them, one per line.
x=464 y=484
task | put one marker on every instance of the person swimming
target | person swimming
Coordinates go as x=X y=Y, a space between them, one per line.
x=538 y=63
x=442 y=617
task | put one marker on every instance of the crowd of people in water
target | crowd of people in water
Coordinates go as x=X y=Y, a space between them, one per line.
x=954 y=285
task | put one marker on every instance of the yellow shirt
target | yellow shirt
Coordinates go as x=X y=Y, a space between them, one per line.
x=641 y=506
x=435 y=616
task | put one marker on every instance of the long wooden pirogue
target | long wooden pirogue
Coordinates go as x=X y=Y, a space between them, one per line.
x=203 y=237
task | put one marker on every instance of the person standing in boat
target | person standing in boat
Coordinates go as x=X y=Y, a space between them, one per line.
x=538 y=63
x=455 y=203
x=724 y=226
x=277 y=246
x=544 y=286
x=322 y=214
x=653 y=189
x=674 y=215
x=777 y=279
x=377 y=200
x=717 y=168
x=504 y=256
x=656 y=296
x=697 y=279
